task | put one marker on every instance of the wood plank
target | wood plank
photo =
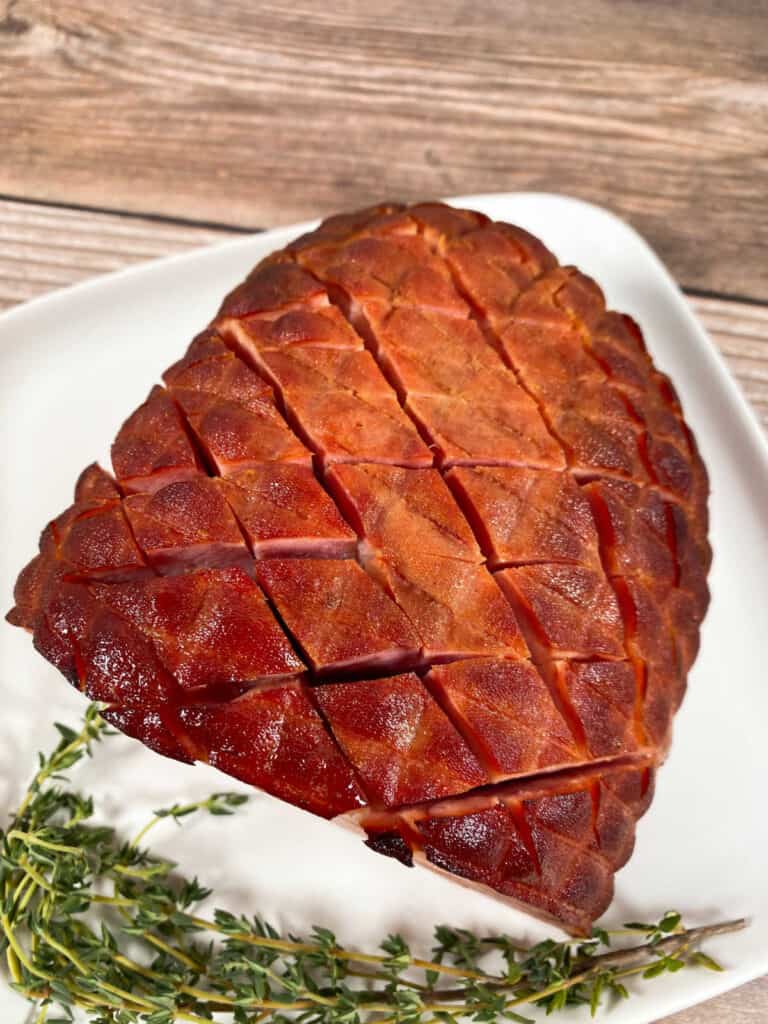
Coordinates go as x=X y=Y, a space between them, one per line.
x=42 y=248
x=745 y=1005
x=261 y=114
x=740 y=331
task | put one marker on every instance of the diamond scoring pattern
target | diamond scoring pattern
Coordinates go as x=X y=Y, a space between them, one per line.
x=498 y=443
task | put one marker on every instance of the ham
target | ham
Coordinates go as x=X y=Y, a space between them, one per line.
x=414 y=536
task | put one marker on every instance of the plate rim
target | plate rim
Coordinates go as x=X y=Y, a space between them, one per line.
x=746 y=419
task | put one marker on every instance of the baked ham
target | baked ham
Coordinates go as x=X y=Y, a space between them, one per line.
x=415 y=536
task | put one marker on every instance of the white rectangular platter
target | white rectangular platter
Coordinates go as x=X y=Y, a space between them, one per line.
x=75 y=363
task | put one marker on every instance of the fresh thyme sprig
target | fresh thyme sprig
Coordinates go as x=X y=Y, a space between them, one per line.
x=92 y=922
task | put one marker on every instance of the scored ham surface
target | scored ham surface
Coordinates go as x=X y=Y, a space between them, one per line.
x=414 y=534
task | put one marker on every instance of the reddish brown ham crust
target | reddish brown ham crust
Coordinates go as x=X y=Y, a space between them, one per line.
x=400 y=742
x=408 y=441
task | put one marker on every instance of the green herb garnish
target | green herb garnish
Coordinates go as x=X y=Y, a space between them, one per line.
x=94 y=922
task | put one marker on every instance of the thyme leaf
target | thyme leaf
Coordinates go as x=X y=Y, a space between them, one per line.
x=91 y=922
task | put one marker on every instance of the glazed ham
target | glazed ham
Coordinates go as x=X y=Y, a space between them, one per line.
x=414 y=536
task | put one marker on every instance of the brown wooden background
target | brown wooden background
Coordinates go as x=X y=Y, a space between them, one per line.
x=132 y=130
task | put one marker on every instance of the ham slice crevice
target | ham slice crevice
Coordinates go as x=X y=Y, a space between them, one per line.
x=413 y=535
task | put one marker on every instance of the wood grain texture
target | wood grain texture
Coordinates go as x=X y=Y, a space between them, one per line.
x=741 y=332
x=745 y=1005
x=42 y=248
x=252 y=114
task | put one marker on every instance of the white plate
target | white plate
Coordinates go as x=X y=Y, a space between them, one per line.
x=73 y=364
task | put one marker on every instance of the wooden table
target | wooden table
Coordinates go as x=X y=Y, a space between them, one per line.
x=130 y=131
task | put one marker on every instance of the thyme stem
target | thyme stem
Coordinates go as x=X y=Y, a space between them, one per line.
x=692 y=936
x=287 y=946
x=32 y=840
x=52 y=861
